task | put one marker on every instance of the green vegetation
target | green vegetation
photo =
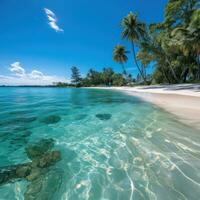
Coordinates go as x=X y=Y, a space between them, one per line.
x=172 y=46
x=76 y=77
x=119 y=56
x=105 y=78
x=133 y=31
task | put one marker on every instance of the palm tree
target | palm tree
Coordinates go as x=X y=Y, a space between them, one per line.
x=188 y=41
x=133 y=31
x=194 y=28
x=119 y=56
x=151 y=51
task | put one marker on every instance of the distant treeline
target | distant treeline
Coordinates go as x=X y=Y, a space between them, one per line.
x=106 y=77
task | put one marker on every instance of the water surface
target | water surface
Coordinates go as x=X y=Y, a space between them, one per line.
x=113 y=146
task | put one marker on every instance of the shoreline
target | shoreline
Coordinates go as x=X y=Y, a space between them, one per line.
x=181 y=100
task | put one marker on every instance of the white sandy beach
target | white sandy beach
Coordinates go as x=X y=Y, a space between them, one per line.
x=182 y=100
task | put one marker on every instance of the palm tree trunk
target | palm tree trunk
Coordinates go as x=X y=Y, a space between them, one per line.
x=135 y=59
x=172 y=70
x=165 y=75
x=184 y=74
x=143 y=71
x=124 y=70
x=198 y=64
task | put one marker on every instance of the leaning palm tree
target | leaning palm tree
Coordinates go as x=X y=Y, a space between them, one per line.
x=119 y=56
x=133 y=31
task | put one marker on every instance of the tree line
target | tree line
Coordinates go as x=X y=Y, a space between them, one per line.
x=106 y=77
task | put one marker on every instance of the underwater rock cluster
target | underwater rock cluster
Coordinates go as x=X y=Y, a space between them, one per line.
x=104 y=116
x=45 y=187
x=42 y=157
x=51 y=119
x=37 y=150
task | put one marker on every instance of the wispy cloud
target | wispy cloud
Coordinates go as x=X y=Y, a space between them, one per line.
x=17 y=69
x=19 y=76
x=52 y=20
x=36 y=74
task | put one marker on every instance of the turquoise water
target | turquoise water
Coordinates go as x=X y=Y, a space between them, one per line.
x=113 y=146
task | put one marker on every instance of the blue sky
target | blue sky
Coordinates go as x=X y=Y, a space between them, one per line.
x=40 y=46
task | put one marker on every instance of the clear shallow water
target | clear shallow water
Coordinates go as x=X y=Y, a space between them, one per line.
x=132 y=150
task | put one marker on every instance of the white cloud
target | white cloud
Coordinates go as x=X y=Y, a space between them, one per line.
x=35 y=77
x=17 y=69
x=52 y=20
x=55 y=26
x=36 y=74
x=49 y=12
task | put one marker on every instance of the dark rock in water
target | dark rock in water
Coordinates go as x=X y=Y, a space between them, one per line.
x=40 y=148
x=52 y=119
x=104 y=116
x=6 y=175
x=35 y=173
x=26 y=133
x=39 y=174
x=23 y=171
x=11 y=173
x=49 y=159
x=34 y=188
x=45 y=187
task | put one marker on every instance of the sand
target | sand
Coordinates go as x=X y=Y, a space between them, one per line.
x=182 y=100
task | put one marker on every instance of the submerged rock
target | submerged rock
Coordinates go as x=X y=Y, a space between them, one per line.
x=34 y=188
x=49 y=159
x=45 y=186
x=11 y=173
x=34 y=174
x=40 y=148
x=104 y=116
x=23 y=171
x=26 y=133
x=42 y=158
x=52 y=119
x=6 y=175
x=44 y=181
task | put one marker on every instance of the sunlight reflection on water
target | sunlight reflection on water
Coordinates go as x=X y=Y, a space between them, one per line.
x=113 y=146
